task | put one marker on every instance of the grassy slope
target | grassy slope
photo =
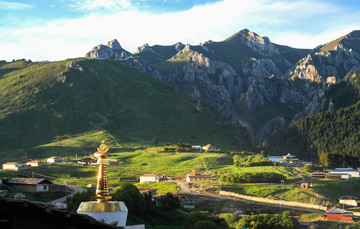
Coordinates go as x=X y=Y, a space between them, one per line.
x=37 y=107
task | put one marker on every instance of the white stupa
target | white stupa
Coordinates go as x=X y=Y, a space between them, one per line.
x=114 y=212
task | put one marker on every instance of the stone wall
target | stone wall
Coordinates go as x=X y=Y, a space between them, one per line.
x=277 y=202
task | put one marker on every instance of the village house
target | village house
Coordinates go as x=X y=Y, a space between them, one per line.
x=209 y=147
x=193 y=176
x=11 y=166
x=306 y=185
x=151 y=178
x=197 y=147
x=337 y=214
x=333 y=176
x=349 y=201
x=290 y=159
x=318 y=175
x=53 y=160
x=87 y=161
x=35 y=163
x=35 y=185
x=354 y=173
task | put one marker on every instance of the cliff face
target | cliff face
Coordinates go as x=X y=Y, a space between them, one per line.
x=246 y=80
x=111 y=51
x=330 y=63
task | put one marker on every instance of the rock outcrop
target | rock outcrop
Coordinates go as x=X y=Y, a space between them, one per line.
x=330 y=62
x=246 y=80
x=112 y=51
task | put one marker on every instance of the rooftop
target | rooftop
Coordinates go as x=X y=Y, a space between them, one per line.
x=21 y=180
x=10 y=163
x=149 y=175
x=344 y=170
x=33 y=162
x=335 y=210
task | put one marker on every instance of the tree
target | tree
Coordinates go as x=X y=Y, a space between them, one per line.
x=74 y=202
x=205 y=224
x=169 y=201
x=131 y=197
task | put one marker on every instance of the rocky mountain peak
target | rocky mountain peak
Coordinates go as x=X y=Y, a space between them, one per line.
x=114 y=44
x=246 y=35
x=112 y=51
x=179 y=46
x=144 y=48
x=257 y=43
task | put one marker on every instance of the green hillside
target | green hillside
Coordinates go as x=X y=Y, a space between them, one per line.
x=44 y=102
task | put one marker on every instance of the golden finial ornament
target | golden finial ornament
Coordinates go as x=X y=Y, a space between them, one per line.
x=102 y=187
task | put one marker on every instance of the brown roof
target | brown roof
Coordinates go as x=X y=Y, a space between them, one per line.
x=201 y=176
x=21 y=180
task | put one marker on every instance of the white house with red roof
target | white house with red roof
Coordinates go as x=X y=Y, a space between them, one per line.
x=35 y=163
x=209 y=147
x=150 y=178
x=52 y=160
x=11 y=166
x=194 y=176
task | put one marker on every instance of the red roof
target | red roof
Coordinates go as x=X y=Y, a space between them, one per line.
x=33 y=162
x=10 y=163
x=149 y=175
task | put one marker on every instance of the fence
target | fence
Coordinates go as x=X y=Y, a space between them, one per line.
x=277 y=202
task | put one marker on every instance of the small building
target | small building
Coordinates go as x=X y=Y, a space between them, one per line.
x=318 y=175
x=349 y=201
x=333 y=176
x=128 y=179
x=11 y=166
x=337 y=214
x=209 y=147
x=53 y=160
x=194 y=176
x=306 y=185
x=149 y=178
x=86 y=161
x=34 y=185
x=354 y=173
x=290 y=158
x=197 y=147
x=35 y=163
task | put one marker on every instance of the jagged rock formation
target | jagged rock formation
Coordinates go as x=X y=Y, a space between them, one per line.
x=246 y=80
x=330 y=62
x=112 y=51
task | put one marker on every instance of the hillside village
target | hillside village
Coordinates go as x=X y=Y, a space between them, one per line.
x=296 y=176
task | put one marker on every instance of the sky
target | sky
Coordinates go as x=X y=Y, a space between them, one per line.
x=60 y=29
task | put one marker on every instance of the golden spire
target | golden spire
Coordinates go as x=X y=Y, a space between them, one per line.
x=102 y=187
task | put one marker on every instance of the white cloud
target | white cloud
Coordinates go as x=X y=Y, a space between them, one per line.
x=303 y=24
x=5 y=5
x=90 y=5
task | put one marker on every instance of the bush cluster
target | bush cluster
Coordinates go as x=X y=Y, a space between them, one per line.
x=251 y=160
x=255 y=177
